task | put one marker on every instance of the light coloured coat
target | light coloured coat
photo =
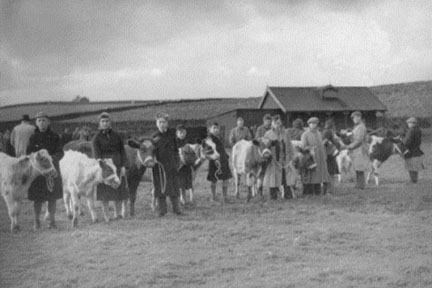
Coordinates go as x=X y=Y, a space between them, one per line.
x=359 y=148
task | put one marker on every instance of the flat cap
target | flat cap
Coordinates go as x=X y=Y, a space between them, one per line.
x=313 y=120
x=412 y=120
x=25 y=117
x=356 y=113
x=104 y=115
x=41 y=115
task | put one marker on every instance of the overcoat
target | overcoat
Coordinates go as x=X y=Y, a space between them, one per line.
x=332 y=166
x=215 y=172
x=413 y=157
x=312 y=140
x=167 y=155
x=359 y=147
x=282 y=154
x=50 y=141
x=108 y=144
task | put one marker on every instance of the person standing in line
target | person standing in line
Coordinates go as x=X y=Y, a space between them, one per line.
x=185 y=172
x=165 y=175
x=218 y=169
x=108 y=144
x=240 y=132
x=21 y=134
x=262 y=129
x=414 y=155
x=311 y=140
x=331 y=148
x=42 y=190
x=359 y=150
x=282 y=154
x=297 y=130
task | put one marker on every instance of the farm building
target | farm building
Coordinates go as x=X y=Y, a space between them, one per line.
x=325 y=102
x=304 y=102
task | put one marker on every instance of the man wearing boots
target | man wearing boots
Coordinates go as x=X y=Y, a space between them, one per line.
x=359 y=150
x=165 y=172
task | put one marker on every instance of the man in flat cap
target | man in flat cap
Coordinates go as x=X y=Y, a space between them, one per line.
x=20 y=135
x=240 y=132
x=261 y=130
x=312 y=141
x=359 y=150
x=39 y=191
x=414 y=155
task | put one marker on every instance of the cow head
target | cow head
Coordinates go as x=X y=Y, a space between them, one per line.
x=264 y=145
x=109 y=173
x=209 y=149
x=191 y=154
x=42 y=162
x=305 y=159
x=145 y=151
x=345 y=136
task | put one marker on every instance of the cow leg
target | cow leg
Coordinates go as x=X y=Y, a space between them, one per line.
x=105 y=210
x=52 y=205
x=10 y=204
x=191 y=195
x=118 y=212
x=75 y=202
x=91 y=206
x=182 y=196
x=154 y=200
x=123 y=208
x=67 y=204
x=237 y=185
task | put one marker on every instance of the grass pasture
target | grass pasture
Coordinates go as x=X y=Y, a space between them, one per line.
x=379 y=237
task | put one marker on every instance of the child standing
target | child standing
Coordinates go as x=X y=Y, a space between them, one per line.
x=185 y=172
x=218 y=169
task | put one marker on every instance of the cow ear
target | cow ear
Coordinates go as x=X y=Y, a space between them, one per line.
x=255 y=142
x=132 y=143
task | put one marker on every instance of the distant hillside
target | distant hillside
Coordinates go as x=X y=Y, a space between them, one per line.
x=406 y=99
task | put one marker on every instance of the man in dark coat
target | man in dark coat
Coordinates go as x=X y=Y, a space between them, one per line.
x=165 y=180
x=413 y=156
x=40 y=190
x=108 y=144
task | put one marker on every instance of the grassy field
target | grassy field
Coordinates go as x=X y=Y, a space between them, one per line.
x=379 y=237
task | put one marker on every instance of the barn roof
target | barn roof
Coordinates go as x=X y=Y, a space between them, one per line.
x=327 y=98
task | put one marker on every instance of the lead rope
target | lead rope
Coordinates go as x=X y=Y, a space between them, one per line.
x=50 y=183
x=162 y=177
x=218 y=169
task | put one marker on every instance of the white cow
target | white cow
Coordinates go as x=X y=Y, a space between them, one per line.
x=344 y=162
x=80 y=176
x=16 y=176
x=247 y=159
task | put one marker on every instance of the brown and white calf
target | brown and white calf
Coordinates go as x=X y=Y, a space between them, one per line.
x=16 y=176
x=81 y=175
x=248 y=159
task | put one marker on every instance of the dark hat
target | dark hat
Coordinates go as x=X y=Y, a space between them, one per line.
x=412 y=120
x=267 y=117
x=356 y=113
x=180 y=127
x=25 y=117
x=313 y=120
x=162 y=115
x=41 y=115
x=104 y=115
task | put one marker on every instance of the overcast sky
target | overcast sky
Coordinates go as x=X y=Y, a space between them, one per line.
x=109 y=50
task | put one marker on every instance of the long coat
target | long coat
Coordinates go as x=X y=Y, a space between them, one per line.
x=50 y=141
x=413 y=157
x=359 y=147
x=282 y=155
x=167 y=154
x=332 y=166
x=223 y=172
x=312 y=140
x=108 y=144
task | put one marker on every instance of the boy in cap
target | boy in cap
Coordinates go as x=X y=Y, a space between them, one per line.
x=239 y=133
x=40 y=190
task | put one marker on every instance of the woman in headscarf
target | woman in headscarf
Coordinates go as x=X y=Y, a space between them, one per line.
x=413 y=156
x=311 y=140
x=108 y=144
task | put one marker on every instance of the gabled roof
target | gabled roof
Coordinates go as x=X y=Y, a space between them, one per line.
x=327 y=98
